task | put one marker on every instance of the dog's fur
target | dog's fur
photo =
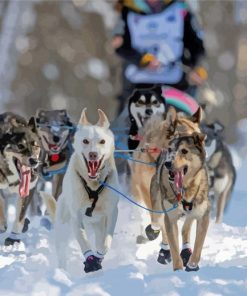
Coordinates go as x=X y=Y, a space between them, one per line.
x=92 y=160
x=157 y=133
x=20 y=152
x=222 y=173
x=184 y=162
x=143 y=104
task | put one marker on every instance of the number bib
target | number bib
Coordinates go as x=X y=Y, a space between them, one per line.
x=161 y=35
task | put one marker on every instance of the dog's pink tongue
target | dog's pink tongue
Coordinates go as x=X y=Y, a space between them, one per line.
x=93 y=167
x=178 y=179
x=24 y=187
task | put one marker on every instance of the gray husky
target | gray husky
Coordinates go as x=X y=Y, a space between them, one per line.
x=55 y=131
x=222 y=173
x=19 y=158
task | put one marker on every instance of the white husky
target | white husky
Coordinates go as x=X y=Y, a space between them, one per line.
x=85 y=203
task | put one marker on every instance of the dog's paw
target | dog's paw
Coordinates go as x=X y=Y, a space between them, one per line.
x=92 y=263
x=151 y=233
x=191 y=268
x=25 y=226
x=11 y=241
x=141 y=239
x=185 y=255
x=164 y=256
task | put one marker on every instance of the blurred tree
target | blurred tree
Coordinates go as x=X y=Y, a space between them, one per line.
x=65 y=60
x=226 y=47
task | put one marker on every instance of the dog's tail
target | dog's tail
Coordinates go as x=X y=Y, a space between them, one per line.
x=50 y=203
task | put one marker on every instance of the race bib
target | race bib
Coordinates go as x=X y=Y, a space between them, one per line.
x=161 y=35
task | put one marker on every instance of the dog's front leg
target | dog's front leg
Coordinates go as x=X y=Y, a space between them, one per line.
x=57 y=185
x=153 y=230
x=81 y=236
x=20 y=224
x=111 y=220
x=186 y=250
x=172 y=235
x=201 y=231
x=3 y=223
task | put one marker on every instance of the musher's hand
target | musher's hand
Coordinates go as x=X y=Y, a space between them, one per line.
x=117 y=41
x=154 y=64
x=198 y=76
x=150 y=61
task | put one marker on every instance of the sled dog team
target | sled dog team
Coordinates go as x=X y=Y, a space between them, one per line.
x=192 y=169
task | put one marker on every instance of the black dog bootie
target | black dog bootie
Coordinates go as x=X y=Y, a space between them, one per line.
x=92 y=263
x=185 y=255
x=192 y=268
x=151 y=233
x=164 y=256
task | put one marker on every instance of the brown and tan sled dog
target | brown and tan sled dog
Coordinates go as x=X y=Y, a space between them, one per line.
x=181 y=180
x=157 y=133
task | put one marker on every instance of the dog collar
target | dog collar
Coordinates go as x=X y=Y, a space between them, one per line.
x=92 y=194
x=187 y=206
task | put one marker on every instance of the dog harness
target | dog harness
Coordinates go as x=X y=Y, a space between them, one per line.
x=187 y=206
x=92 y=194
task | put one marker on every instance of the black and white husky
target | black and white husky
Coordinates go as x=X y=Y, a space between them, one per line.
x=86 y=204
x=19 y=157
x=222 y=173
x=143 y=104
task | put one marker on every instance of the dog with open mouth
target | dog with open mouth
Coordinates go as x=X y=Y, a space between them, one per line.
x=85 y=202
x=157 y=134
x=20 y=154
x=181 y=179
x=56 y=132
x=143 y=104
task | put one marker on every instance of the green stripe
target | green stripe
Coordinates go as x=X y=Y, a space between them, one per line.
x=178 y=104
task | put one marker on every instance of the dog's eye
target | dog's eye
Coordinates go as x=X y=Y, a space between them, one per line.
x=184 y=151
x=155 y=102
x=140 y=102
x=85 y=141
x=102 y=142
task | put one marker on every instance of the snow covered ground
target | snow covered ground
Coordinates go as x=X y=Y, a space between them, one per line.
x=131 y=269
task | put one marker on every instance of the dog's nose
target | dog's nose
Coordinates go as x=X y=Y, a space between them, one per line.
x=168 y=164
x=93 y=155
x=149 y=111
x=56 y=139
x=33 y=161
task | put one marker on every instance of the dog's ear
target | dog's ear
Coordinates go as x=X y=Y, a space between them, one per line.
x=171 y=115
x=83 y=119
x=218 y=127
x=40 y=113
x=197 y=117
x=63 y=112
x=134 y=95
x=103 y=120
x=157 y=89
x=32 y=124
x=39 y=116
x=199 y=138
x=170 y=122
